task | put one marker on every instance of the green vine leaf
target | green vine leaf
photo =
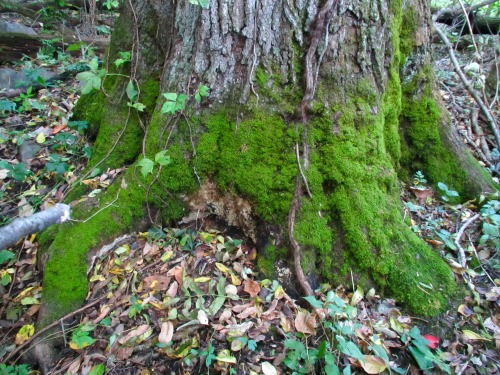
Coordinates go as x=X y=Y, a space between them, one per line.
x=131 y=91
x=139 y=106
x=175 y=102
x=146 y=166
x=92 y=79
x=162 y=159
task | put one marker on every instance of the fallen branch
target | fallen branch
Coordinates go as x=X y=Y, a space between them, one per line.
x=484 y=109
x=19 y=228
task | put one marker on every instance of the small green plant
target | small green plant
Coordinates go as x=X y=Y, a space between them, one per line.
x=91 y=80
x=136 y=307
x=147 y=165
x=27 y=103
x=14 y=370
x=79 y=126
x=18 y=171
x=6 y=256
x=81 y=336
x=419 y=180
x=490 y=213
x=123 y=59
x=177 y=102
x=447 y=193
x=104 y=29
x=420 y=350
x=201 y=3
x=7 y=105
x=57 y=164
x=111 y=4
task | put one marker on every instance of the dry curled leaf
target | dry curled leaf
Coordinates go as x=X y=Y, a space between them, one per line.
x=373 y=364
x=167 y=332
x=305 y=323
x=252 y=287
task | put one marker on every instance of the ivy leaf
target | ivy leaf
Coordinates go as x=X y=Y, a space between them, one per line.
x=5 y=256
x=171 y=96
x=203 y=90
x=97 y=369
x=88 y=81
x=80 y=340
x=94 y=65
x=168 y=107
x=146 y=166
x=314 y=302
x=139 y=106
x=252 y=345
x=181 y=102
x=131 y=91
x=349 y=348
x=162 y=159
x=20 y=172
x=7 y=105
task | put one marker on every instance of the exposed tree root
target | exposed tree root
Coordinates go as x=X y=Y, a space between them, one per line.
x=299 y=272
x=311 y=66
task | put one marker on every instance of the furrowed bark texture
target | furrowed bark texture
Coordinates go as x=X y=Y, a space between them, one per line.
x=337 y=96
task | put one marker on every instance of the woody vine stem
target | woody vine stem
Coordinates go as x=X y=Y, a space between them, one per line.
x=321 y=26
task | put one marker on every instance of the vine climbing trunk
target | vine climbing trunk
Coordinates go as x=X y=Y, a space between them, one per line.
x=315 y=111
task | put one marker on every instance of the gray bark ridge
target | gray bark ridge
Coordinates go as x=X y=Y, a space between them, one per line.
x=19 y=228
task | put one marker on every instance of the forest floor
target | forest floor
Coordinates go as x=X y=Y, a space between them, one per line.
x=176 y=300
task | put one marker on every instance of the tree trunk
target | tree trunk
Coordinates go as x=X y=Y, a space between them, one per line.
x=316 y=110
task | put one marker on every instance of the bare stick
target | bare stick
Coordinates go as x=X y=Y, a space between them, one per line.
x=468 y=86
x=461 y=252
x=19 y=228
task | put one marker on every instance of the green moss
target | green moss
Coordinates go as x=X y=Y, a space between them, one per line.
x=410 y=19
x=247 y=158
x=422 y=147
x=65 y=279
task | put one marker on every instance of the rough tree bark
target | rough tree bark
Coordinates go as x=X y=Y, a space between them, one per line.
x=316 y=111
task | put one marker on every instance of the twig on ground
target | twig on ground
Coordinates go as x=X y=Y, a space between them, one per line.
x=461 y=251
x=479 y=134
x=481 y=264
